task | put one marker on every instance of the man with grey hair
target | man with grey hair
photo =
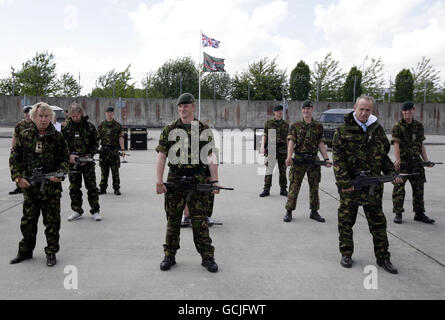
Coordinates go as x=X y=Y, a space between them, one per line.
x=83 y=141
x=360 y=147
x=39 y=146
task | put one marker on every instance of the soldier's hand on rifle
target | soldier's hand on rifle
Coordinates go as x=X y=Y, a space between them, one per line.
x=328 y=164
x=348 y=190
x=217 y=185
x=123 y=154
x=22 y=183
x=73 y=158
x=160 y=188
x=53 y=179
x=289 y=162
x=397 y=165
x=397 y=180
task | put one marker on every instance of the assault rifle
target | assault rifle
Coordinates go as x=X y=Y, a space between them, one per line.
x=309 y=159
x=419 y=163
x=363 y=179
x=188 y=223
x=80 y=160
x=38 y=176
x=185 y=183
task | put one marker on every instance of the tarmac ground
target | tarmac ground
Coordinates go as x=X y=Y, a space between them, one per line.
x=259 y=256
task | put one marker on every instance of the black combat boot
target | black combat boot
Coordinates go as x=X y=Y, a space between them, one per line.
x=420 y=216
x=210 y=264
x=117 y=192
x=387 y=265
x=288 y=216
x=283 y=192
x=167 y=263
x=51 y=259
x=314 y=215
x=16 y=190
x=346 y=261
x=102 y=191
x=20 y=257
x=398 y=218
x=265 y=193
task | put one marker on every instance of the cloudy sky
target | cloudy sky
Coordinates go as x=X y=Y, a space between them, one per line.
x=93 y=37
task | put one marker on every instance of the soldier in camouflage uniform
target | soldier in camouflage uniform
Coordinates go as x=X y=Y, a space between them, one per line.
x=83 y=141
x=20 y=126
x=305 y=140
x=279 y=141
x=111 y=136
x=407 y=139
x=39 y=146
x=186 y=130
x=360 y=144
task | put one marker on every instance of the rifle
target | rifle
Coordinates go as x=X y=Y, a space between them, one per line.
x=363 y=179
x=419 y=163
x=80 y=160
x=185 y=183
x=185 y=224
x=309 y=159
x=38 y=176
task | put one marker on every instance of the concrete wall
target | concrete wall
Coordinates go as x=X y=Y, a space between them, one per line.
x=222 y=114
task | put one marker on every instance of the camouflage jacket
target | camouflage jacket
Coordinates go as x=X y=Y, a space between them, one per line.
x=281 y=129
x=170 y=136
x=355 y=150
x=410 y=137
x=32 y=151
x=306 y=136
x=20 y=126
x=109 y=133
x=81 y=137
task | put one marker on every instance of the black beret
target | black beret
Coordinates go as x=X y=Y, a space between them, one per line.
x=185 y=98
x=307 y=104
x=278 y=108
x=407 y=105
x=110 y=109
x=26 y=109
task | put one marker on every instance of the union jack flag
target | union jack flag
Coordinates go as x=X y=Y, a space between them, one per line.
x=209 y=42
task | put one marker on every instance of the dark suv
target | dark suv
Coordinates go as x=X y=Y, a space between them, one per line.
x=332 y=119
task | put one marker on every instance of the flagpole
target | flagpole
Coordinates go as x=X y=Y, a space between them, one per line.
x=199 y=74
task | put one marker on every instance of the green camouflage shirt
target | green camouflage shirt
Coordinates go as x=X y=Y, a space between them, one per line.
x=32 y=151
x=282 y=128
x=306 y=136
x=19 y=127
x=410 y=138
x=109 y=133
x=193 y=159
x=82 y=137
x=355 y=150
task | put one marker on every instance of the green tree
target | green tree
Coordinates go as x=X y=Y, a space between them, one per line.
x=67 y=86
x=426 y=81
x=172 y=78
x=115 y=84
x=9 y=87
x=404 y=86
x=37 y=77
x=263 y=78
x=373 y=82
x=352 y=88
x=326 y=80
x=216 y=85
x=300 y=82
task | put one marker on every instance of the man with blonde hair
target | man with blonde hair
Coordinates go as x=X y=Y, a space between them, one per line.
x=39 y=147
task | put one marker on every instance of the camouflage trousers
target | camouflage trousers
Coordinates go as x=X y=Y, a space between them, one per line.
x=296 y=175
x=211 y=201
x=281 y=159
x=398 y=194
x=107 y=163
x=89 y=175
x=33 y=204
x=197 y=203
x=347 y=215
